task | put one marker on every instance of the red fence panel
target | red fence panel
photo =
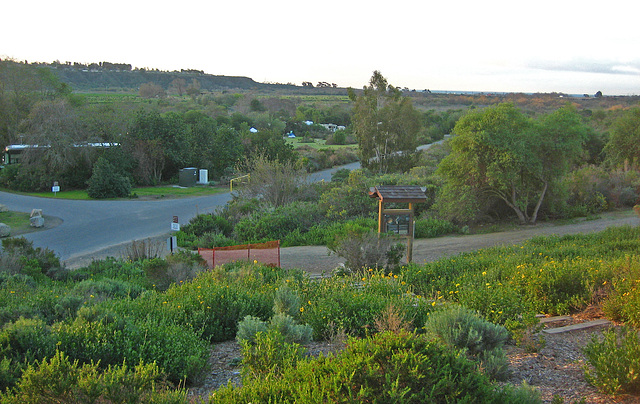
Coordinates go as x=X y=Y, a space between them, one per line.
x=265 y=253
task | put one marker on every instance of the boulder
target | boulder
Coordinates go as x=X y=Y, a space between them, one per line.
x=37 y=221
x=5 y=230
x=3 y=208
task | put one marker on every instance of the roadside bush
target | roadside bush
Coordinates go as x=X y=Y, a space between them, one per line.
x=614 y=361
x=27 y=338
x=60 y=380
x=106 y=182
x=367 y=249
x=32 y=261
x=208 y=223
x=276 y=225
x=432 y=227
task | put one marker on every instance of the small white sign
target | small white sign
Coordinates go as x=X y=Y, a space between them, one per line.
x=175 y=226
x=55 y=188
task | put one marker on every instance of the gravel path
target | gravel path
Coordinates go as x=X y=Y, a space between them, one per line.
x=316 y=259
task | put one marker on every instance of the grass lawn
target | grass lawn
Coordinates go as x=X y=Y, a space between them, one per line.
x=165 y=191
x=18 y=221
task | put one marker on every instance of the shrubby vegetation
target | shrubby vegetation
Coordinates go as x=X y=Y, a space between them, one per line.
x=112 y=314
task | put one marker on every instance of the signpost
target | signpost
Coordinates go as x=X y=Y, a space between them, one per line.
x=398 y=221
x=175 y=226
x=55 y=188
x=172 y=244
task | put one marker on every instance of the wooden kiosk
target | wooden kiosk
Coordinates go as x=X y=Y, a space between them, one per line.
x=398 y=221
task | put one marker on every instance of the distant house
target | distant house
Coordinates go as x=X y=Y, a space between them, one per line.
x=331 y=127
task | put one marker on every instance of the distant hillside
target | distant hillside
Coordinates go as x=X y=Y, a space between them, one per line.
x=130 y=80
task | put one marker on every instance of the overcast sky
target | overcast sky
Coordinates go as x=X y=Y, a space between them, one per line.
x=570 y=46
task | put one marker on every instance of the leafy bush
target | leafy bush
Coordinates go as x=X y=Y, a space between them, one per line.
x=60 y=380
x=32 y=261
x=286 y=309
x=276 y=225
x=388 y=367
x=27 y=338
x=208 y=223
x=432 y=227
x=354 y=303
x=286 y=301
x=270 y=355
x=249 y=327
x=614 y=361
x=367 y=249
x=464 y=329
x=106 y=182
x=112 y=339
x=104 y=289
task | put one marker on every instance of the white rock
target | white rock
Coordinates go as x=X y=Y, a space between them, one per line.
x=5 y=230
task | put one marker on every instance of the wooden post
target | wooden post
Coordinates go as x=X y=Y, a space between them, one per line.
x=410 y=235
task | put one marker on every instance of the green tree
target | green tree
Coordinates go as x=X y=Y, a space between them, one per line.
x=499 y=153
x=386 y=126
x=21 y=87
x=216 y=147
x=623 y=147
x=161 y=145
x=276 y=182
x=106 y=182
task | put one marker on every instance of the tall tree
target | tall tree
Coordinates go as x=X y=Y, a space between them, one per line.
x=499 y=153
x=386 y=126
x=179 y=85
x=623 y=147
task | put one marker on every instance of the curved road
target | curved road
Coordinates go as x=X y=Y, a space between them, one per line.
x=90 y=226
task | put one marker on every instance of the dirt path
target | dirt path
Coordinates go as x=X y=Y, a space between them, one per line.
x=316 y=259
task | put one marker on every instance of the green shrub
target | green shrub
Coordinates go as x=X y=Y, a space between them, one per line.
x=111 y=339
x=104 y=289
x=286 y=301
x=432 y=227
x=385 y=368
x=290 y=330
x=249 y=327
x=614 y=361
x=106 y=182
x=277 y=224
x=284 y=324
x=27 y=338
x=59 y=380
x=32 y=261
x=464 y=329
x=367 y=249
x=353 y=303
x=208 y=223
x=269 y=356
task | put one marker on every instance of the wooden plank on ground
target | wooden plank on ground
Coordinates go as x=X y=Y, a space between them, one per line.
x=575 y=327
x=546 y=320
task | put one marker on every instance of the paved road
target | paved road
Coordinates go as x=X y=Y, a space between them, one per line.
x=90 y=226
